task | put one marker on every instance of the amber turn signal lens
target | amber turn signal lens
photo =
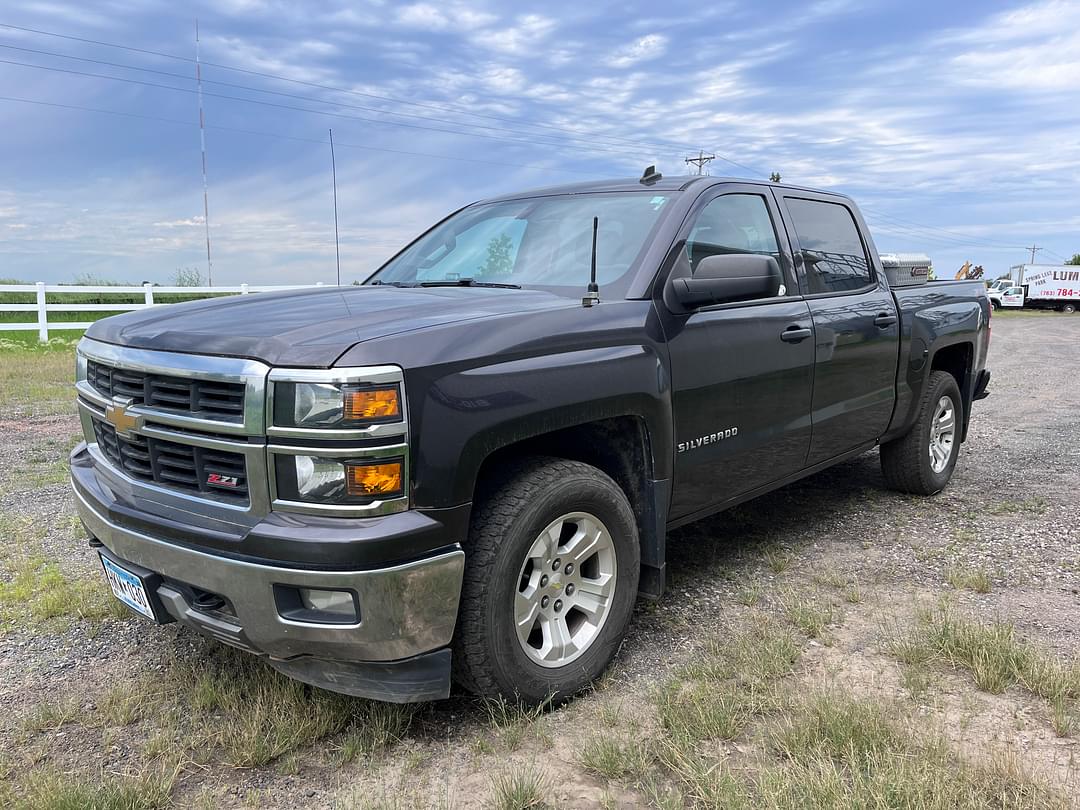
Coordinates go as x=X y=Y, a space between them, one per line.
x=367 y=480
x=372 y=403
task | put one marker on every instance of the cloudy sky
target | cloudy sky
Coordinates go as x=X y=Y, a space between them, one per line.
x=955 y=125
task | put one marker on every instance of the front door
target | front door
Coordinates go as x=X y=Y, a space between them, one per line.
x=856 y=326
x=741 y=372
x=1013 y=297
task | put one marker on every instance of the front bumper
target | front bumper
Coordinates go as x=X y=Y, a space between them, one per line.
x=407 y=611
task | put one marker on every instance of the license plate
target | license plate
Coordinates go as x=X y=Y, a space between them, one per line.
x=127 y=587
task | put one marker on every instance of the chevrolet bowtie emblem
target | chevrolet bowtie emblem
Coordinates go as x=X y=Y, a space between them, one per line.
x=118 y=416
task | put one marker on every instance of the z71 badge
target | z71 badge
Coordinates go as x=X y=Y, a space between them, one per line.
x=230 y=481
x=711 y=438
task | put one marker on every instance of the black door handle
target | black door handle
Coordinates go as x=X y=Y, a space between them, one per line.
x=795 y=334
x=884 y=319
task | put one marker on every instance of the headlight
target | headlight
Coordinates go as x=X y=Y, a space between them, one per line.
x=335 y=405
x=324 y=480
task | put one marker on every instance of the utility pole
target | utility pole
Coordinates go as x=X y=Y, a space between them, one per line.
x=700 y=161
x=337 y=243
x=1033 y=248
x=202 y=141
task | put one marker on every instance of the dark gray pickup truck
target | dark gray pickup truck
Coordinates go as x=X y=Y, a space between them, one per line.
x=466 y=468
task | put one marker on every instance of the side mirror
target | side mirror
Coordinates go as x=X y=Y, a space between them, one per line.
x=728 y=278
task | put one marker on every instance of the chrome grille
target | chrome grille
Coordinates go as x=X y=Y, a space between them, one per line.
x=207 y=399
x=218 y=473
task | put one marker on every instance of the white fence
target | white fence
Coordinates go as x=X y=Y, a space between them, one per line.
x=43 y=307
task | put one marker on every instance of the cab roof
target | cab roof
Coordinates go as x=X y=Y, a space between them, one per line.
x=664 y=184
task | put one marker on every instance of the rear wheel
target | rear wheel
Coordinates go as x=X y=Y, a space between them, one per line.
x=922 y=461
x=1069 y=308
x=550 y=580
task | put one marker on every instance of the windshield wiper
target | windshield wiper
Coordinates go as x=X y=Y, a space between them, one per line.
x=380 y=283
x=468 y=282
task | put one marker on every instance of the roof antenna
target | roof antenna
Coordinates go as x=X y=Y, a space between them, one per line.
x=592 y=296
x=651 y=176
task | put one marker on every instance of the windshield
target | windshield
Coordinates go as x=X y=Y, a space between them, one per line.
x=538 y=242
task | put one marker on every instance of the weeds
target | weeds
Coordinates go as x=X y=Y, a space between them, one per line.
x=838 y=752
x=810 y=617
x=732 y=682
x=994 y=657
x=48 y=788
x=616 y=759
x=777 y=559
x=521 y=788
x=38 y=592
x=977 y=581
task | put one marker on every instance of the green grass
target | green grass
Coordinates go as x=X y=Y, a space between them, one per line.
x=733 y=681
x=50 y=789
x=810 y=615
x=961 y=579
x=36 y=593
x=837 y=752
x=519 y=788
x=1034 y=505
x=614 y=758
x=994 y=657
x=36 y=381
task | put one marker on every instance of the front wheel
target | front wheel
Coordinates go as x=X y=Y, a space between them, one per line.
x=922 y=461
x=551 y=574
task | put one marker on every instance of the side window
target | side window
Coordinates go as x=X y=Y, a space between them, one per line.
x=734 y=223
x=829 y=231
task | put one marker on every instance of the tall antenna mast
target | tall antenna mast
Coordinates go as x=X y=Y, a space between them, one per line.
x=202 y=141
x=337 y=243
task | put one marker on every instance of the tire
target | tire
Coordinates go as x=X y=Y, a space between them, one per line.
x=907 y=462
x=504 y=572
x=1069 y=308
x=995 y=304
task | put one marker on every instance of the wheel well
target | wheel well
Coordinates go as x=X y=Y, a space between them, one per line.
x=619 y=446
x=956 y=360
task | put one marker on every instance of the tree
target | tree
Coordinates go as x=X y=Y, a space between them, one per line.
x=774 y=177
x=499 y=259
x=1075 y=259
x=187 y=277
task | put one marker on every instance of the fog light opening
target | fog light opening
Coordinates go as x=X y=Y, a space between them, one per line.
x=317 y=605
x=340 y=603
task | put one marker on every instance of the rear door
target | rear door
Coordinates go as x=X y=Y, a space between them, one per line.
x=741 y=388
x=856 y=325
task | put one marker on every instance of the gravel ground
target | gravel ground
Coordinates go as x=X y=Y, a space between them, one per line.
x=1010 y=511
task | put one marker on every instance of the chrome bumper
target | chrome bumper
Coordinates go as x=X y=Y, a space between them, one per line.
x=405 y=610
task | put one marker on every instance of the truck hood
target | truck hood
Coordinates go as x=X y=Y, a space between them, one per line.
x=309 y=328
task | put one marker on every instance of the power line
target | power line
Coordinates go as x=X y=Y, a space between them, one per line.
x=575 y=134
x=905 y=222
x=291 y=107
x=701 y=161
x=609 y=140
x=911 y=231
x=279 y=136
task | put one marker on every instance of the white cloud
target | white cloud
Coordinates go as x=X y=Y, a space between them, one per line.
x=643 y=49
x=431 y=17
x=525 y=36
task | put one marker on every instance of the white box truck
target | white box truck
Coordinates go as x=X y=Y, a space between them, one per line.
x=1040 y=286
